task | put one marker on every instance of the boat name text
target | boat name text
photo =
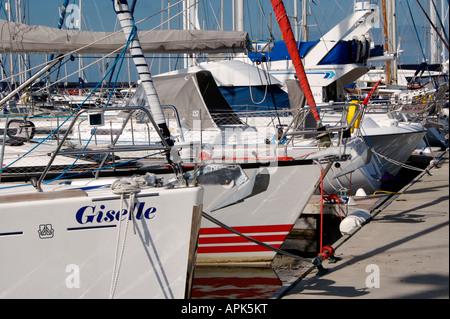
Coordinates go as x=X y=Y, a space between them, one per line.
x=99 y=213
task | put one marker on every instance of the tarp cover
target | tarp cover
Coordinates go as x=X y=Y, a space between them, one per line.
x=196 y=97
x=298 y=101
x=37 y=39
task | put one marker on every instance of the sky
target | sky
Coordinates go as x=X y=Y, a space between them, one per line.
x=98 y=15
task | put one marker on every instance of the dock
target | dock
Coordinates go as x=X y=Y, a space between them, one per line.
x=402 y=252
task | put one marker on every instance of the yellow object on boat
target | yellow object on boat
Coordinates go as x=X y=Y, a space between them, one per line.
x=352 y=110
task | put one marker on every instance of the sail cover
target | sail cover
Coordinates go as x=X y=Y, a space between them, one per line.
x=38 y=39
x=196 y=98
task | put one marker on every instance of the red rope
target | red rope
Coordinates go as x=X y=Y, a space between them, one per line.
x=321 y=210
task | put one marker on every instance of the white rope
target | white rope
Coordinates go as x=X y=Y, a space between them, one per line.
x=122 y=187
x=250 y=87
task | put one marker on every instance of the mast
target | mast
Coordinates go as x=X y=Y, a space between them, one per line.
x=18 y=4
x=390 y=38
x=127 y=22
x=11 y=63
x=80 y=57
x=190 y=22
x=221 y=15
x=62 y=16
x=239 y=12
x=443 y=30
x=434 y=55
x=435 y=45
x=305 y=30
x=386 y=42
x=393 y=37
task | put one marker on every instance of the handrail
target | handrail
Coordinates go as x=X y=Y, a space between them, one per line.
x=302 y=112
x=58 y=148
x=177 y=116
x=331 y=129
x=153 y=123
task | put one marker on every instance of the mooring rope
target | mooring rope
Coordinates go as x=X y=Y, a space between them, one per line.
x=217 y=222
x=126 y=186
x=404 y=165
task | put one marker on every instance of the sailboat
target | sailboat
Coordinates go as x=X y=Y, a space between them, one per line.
x=401 y=108
x=98 y=238
x=381 y=138
x=244 y=194
x=241 y=196
x=283 y=183
x=252 y=81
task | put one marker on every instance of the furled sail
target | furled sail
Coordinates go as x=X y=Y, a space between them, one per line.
x=38 y=39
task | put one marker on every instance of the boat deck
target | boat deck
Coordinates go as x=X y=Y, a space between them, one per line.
x=401 y=253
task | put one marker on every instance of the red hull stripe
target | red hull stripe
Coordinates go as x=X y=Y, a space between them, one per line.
x=234 y=249
x=247 y=229
x=238 y=239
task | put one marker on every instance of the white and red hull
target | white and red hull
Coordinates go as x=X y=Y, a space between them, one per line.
x=219 y=245
x=279 y=195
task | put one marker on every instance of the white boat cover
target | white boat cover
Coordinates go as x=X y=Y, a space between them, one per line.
x=38 y=39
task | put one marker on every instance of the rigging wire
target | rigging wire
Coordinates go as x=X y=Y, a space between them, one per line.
x=101 y=39
x=417 y=33
x=265 y=18
x=418 y=40
x=108 y=36
x=89 y=95
x=434 y=27
x=440 y=20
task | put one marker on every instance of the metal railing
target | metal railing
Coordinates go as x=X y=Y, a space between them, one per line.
x=293 y=121
x=112 y=148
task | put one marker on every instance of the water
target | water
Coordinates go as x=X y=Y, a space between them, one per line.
x=224 y=282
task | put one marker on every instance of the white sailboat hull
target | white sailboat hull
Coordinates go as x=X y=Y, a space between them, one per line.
x=395 y=144
x=62 y=244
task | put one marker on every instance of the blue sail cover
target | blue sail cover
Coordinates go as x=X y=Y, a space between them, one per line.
x=242 y=99
x=344 y=52
x=340 y=54
x=280 y=52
